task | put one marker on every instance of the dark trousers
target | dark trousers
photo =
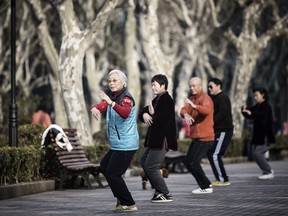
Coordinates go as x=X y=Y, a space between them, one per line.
x=113 y=166
x=259 y=156
x=222 y=140
x=197 y=150
x=151 y=161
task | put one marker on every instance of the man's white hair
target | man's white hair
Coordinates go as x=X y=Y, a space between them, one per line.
x=121 y=76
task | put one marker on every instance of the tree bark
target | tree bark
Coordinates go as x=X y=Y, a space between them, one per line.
x=74 y=45
x=249 y=47
x=52 y=57
x=131 y=54
x=158 y=61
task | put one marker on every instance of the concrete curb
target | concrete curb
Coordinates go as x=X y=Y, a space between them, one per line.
x=10 y=191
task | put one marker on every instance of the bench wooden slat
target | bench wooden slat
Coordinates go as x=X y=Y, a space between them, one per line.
x=81 y=167
x=81 y=163
x=71 y=160
x=75 y=156
x=74 y=140
x=75 y=152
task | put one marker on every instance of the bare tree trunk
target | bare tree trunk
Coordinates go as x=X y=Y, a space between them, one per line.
x=73 y=48
x=71 y=62
x=1 y=111
x=195 y=54
x=93 y=84
x=94 y=76
x=70 y=69
x=59 y=109
x=131 y=55
x=250 y=47
x=244 y=73
x=52 y=57
x=95 y=68
x=5 y=54
x=158 y=61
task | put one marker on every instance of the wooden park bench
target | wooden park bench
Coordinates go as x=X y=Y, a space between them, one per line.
x=176 y=160
x=74 y=163
x=275 y=152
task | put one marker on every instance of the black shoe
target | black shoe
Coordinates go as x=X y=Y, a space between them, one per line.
x=162 y=198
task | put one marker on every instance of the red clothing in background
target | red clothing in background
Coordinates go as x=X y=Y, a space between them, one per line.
x=42 y=118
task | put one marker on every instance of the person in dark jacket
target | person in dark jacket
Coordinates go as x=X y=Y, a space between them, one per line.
x=122 y=133
x=161 y=136
x=263 y=133
x=223 y=129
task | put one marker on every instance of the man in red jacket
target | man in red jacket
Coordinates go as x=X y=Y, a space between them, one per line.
x=198 y=113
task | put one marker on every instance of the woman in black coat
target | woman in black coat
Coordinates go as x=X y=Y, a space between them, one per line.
x=263 y=133
x=159 y=116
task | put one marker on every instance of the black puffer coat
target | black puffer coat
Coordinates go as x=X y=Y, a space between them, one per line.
x=262 y=123
x=164 y=124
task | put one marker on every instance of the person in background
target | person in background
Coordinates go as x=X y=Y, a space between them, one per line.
x=223 y=129
x=263 y=133
x=41 y=117
x=198 y=113
x=123 y=137
x=161 y=136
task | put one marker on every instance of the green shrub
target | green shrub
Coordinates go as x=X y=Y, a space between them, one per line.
x=136 y=159
x=4 y=164
x=183 y=145
x=4 y=141
x=22 y=163
x=235 y=148
x=50 y=166
x=282 y=141
x=96 y=152
x=30 y=134
x=19 y=164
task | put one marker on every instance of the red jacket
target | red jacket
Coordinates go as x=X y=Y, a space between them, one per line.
x=202 y=128
x=42 y=118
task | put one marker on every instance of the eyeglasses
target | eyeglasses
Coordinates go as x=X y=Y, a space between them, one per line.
x=113 y=81
x=210 y=87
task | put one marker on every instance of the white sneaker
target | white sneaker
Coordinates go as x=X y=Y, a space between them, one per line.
x=267 y=176
x=203 y=191
x=125 y=208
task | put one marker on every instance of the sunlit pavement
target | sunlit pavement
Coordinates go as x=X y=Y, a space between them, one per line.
x=245 y=196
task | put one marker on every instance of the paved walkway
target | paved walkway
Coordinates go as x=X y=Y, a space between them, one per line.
x=246 y=196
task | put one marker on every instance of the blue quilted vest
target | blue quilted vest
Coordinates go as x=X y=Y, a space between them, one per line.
x=122 y=133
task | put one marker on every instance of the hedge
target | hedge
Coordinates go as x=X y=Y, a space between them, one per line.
x=19 y=164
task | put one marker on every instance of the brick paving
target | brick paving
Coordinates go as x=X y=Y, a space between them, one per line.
x=246 y=196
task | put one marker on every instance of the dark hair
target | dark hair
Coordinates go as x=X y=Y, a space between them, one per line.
x=216 y=81
x=262 y=91
x=161 y=79
x=42 y=107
